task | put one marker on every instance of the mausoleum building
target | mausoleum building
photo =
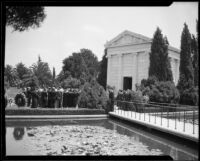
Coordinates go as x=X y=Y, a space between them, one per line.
x=128 y=60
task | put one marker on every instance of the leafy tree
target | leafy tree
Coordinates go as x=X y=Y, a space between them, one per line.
x=21 y=70
x=102 y=77
x=23 y=17
x=93 y=96
x=82 y=65
x=11 y=75
x=42 y=71
x=160 y=66
x=91 y=61
x=71 y=83
x=186 y=70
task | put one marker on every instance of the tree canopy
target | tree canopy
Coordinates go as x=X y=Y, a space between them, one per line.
x=21 y=70
x=21 y=18
x=82 y=65
x=102 y=77
x=160 y=66
x=186 y=70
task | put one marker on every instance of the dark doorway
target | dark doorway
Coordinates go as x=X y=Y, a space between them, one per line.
x=127 y=83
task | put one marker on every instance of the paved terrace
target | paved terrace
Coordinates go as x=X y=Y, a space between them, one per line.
x=176 y=127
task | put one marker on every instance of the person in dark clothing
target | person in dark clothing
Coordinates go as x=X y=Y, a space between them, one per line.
x=28 y=94
x=35 y=98
x=111 y=97
x=54 y=94
x=58 y=99
x=44 y=98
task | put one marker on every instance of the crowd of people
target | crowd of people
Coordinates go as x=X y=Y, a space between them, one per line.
x=50 y=97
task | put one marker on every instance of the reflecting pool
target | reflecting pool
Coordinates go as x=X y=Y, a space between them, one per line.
x=89 y=137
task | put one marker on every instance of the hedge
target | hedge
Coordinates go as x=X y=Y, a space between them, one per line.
x=54 y=111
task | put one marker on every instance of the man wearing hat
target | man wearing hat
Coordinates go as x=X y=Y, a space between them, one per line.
x=44 y=98
x=35 y=98
x=28 y=96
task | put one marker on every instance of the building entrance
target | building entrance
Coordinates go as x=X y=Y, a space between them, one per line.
x=127 y=83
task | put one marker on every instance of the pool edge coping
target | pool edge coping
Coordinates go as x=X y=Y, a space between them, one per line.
x=196 y=140
x=54 y=116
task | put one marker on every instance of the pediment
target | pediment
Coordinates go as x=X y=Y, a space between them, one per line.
x=126 y=38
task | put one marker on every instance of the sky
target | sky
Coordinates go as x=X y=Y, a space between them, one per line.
x=69 y=29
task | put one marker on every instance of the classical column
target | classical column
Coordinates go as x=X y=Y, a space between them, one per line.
x=108 y=70
x=177 y=71
x=120 y=66
x=135 y=70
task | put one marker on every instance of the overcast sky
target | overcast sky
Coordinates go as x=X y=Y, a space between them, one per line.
x=68 y=29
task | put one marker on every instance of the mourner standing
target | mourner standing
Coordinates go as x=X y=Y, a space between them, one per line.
x=44 y=98
x=28 y=96
x=34 y=97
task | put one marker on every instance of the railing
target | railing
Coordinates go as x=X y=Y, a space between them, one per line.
x=182 y=118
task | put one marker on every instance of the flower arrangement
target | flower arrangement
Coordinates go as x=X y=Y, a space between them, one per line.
x=20 y=99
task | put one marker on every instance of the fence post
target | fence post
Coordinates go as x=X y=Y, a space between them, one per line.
x=144 y=112
x=175 y=120
x=193 y=121
x=167 y=117
x=184 y=121
x=161 y=115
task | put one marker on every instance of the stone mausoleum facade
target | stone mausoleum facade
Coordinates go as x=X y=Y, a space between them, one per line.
x=128 y=60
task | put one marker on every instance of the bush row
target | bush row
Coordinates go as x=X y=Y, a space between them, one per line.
x=54 y=111
x=135 y=100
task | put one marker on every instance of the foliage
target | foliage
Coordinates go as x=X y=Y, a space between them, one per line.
x=93 y=96
x=67 y=111
x=21 y=70
x=164 y=92
x=195 y=57
x=82 y=65
x=102 y=77
x=190 y=96
x=22 y=17
x=20 y=100
x=160 y=66
x=54 y=73
x=75 y=66
x=186 y=69
x=42 y=71
x=30 y=80
x=133 y=100
x=146 y=84
x=71 y=83
x=91 y=61
x=11 y=75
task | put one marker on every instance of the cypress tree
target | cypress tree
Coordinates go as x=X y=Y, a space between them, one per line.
x=186 y=70
x=54 y=73
x=195 y=57
x=102 y=78
x=160 y=66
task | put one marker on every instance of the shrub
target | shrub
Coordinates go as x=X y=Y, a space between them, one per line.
x=71 y=83
x=190 y=96
x=164 y=92
x=67 y=111
x=133 y=100
x=93 y=96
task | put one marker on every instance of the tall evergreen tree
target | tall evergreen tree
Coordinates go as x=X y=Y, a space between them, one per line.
x=160 y=66
x=186 y=70
x=102 y=77
x=54 y=73
x=195 y=57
